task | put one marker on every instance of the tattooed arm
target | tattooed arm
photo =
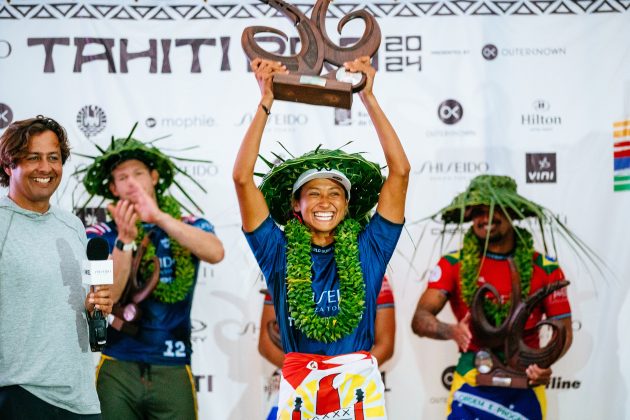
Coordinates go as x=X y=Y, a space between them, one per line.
x=426 y=324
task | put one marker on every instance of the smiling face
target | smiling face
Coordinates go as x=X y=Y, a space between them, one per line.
x=499 y=230
x=37 y=175
x=323 y=205
x=131 y=175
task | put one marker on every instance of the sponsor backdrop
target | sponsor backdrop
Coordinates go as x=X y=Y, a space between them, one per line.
x=538 y=90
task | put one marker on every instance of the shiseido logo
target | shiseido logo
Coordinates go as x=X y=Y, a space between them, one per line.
x=540 y=168
x=450 y=111
x=6 y=115
x=453 y=167
x=489 y=52
x=278 y=119
x=5 y=48
x=91 y=120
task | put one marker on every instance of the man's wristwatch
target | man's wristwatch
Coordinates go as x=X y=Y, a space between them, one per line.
x=125 y=247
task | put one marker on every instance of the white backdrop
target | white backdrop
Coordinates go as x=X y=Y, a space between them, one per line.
x=538 y=90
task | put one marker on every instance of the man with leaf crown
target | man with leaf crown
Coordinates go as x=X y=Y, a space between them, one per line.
x=145 y=366
x=497 y=264
x=325 y=270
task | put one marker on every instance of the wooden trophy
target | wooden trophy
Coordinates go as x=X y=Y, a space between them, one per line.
x=508 y=370
x=127 y=311
x=304 y=82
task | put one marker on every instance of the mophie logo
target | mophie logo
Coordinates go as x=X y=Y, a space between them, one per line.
x=6 y=115
x=180 y=122
x=450 y=111
x=539 y=118
x=540 y=168
x=91 y=120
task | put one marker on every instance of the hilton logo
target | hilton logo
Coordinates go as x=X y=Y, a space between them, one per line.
x=540 y=168
x=539 y=119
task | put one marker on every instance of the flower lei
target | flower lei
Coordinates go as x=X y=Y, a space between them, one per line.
x=471 y=259
x=184 y=275
x=299 y=282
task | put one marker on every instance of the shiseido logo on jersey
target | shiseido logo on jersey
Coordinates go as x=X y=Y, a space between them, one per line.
x=91 y=120
x=6 y=115
x=5 y=48
x=450 y=112
x=540 y=168
x=91 y=215
x=538 y=118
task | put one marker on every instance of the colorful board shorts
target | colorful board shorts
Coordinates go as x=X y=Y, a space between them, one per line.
x=345 y=387
x=468 y=401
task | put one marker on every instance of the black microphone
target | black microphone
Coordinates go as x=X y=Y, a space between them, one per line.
x=96 y=271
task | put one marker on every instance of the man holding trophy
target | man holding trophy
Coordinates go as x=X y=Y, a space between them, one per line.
x=325 y=270
x=501 y=291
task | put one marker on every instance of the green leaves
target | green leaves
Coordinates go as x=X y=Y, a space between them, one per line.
x=299 y=282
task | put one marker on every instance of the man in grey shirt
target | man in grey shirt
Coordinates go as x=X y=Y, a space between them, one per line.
x=46 y=368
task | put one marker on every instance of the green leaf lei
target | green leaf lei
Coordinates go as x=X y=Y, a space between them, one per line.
x=299 y=282
x=184 y=271
x=471 y=259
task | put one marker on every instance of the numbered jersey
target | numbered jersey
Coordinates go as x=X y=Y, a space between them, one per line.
x=164 y=334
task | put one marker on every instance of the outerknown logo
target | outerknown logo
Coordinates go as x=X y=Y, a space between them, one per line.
x=6 y=115
x=5 y=48
x=540 y=168
x=447 y=377
x=91 y=120
x=489 y=52
x=450 y=111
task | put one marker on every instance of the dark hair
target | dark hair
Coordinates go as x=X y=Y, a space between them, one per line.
x=14 y=142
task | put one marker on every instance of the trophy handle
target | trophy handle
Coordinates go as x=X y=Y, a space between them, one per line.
x=368 y=44
x=309 y=60
x=489 y=335
x=517 y=352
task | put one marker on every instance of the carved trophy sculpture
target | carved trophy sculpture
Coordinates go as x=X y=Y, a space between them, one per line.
x=508 y=369
x=304 y=83
x=127 y=311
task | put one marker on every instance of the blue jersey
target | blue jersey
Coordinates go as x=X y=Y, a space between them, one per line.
x=164 y=334
x=377 y=242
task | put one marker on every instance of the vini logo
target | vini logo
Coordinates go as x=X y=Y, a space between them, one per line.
x=540 y=168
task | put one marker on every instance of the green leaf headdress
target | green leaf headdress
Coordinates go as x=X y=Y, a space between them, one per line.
x=97 y=176
x=365 y=177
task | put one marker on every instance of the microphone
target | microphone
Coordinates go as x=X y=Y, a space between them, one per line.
x=97 y=270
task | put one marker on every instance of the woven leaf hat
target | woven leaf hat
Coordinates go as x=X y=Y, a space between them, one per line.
x=365 y=177
x=499 y=193
x=97 y=176
x=493 y=191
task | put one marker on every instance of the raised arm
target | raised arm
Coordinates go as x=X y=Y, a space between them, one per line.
x=391 y=202
x=252 y=204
